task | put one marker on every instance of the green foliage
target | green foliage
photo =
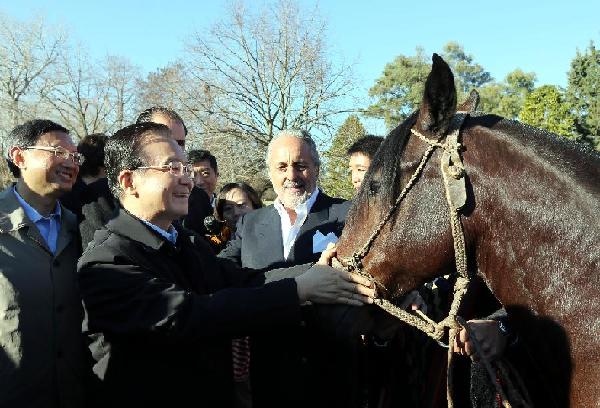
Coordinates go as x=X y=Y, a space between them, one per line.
x=583 y=94
x=335 y=180
x=399 y=90
x=467 y=74
x=545 y=108
x=506 y=98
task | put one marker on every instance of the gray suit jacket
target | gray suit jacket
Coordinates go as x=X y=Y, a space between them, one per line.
x=258 y=243
x=41 y=347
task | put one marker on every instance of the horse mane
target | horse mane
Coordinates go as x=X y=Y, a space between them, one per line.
x=578 y=161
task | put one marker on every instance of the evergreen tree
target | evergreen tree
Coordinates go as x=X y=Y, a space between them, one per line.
x=583 y=94
x=335 y=180
x=546 y=108
x=399 y=90
x=467 y=74
x=506 y=98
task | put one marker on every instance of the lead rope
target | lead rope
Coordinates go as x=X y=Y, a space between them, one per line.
x=453 y=173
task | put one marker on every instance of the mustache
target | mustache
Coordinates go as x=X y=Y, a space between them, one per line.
x=292 y=184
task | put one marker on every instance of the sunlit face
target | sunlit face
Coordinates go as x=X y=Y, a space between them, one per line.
x=205 y=177
x=161 y=197
x=236 y=204
x=358 y=165
x=175 y=126
x=45 y=173
x=292 y=170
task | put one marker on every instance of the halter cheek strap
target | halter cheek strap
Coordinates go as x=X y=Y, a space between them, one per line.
x=454 y=177
x=453 y=173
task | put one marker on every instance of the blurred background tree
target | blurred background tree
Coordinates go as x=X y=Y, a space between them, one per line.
x=583 y=94
x=545 y=107
x=335 y=178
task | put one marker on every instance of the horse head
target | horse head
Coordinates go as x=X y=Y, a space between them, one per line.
x=529 y=213
x=417 y=236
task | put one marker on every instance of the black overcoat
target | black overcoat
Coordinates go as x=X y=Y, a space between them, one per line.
x=161 y=317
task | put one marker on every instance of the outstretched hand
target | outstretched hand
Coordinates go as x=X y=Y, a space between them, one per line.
x=324 y=284
x=487 y=333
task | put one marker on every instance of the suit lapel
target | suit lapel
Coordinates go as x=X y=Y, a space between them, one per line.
x=318 y=215
x=68 y=230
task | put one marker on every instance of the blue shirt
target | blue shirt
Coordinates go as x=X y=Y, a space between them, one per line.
x=170 y=235
x=49 y=226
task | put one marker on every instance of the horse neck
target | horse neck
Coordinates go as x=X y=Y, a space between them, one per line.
x=535 y=221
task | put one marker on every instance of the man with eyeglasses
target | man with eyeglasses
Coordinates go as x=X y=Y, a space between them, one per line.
x=97 y=213
x=41 y=346
x=161 y=307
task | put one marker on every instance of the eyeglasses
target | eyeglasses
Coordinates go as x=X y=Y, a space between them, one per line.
x=61 y=153
x=175 y=168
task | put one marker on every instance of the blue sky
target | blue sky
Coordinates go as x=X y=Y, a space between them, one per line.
x=539 y=36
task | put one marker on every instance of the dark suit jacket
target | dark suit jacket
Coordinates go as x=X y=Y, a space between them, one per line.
x=162 y=316
x=302 y=366
x=258 y=244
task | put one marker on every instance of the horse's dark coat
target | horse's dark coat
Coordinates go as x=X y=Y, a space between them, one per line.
x=532 y=230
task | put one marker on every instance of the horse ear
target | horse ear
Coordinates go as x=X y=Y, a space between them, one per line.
x=471 y=104
x=439 y=99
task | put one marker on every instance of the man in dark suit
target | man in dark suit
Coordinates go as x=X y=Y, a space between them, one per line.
x=313 y=370
x=160 y=306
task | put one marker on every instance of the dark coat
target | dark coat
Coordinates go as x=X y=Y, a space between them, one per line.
x=42 y=360
x=162 y=316
x=300 y=366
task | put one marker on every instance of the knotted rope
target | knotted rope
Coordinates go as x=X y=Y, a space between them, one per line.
x=453 y=173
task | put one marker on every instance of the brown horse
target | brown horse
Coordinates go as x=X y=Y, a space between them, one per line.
x=531 y=227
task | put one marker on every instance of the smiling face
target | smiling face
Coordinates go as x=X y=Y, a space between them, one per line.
x=156 y=195
x=43 y=172
x=292 y=170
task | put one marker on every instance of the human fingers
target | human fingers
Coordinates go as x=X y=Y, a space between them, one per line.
x=327 y=255
x=460 y=342
x=356 y=278
x=457 y=346
x=352 y=288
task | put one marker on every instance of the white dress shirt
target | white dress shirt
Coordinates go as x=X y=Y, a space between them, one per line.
x=289 y=232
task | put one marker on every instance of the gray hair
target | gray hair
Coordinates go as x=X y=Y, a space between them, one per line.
x=299 y=134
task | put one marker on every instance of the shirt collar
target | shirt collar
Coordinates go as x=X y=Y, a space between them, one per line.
x=300 y=208
x=170 y=235
x=32 y=213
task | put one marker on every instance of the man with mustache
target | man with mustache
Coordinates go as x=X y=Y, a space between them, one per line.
x=41 y=347
x=312 y=369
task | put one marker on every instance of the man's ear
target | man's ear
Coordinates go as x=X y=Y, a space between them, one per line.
x=15 y=154
x=126 y=182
